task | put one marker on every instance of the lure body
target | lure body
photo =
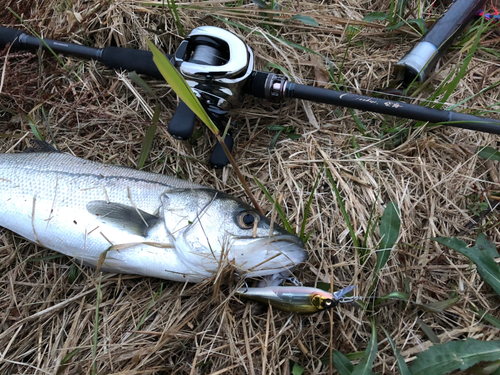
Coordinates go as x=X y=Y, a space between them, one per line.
x=297 y=299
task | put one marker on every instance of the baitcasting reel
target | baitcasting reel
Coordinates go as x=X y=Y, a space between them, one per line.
x=216 y=64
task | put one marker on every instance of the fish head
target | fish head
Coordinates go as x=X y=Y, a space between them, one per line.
x=211 y=229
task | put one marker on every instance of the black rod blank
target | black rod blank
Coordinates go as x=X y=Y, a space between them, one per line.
x=392 y=108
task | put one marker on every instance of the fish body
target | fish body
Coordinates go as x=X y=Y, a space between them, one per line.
x=143 y=223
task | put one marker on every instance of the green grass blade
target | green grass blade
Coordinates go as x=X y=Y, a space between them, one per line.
x=463 y=69
x=151 y=303
x=305 y=19
x=390 y=225
x=148 y=138
x=74 y=273
x=182 y=89
x=359 y=124
x=175 y=13
x=355 y=356
x=364 y=250
x=483 y=254
x=364 y=367
x=376 y=16
x=138 y=80
x=49 y=129
x=272 y=144
x=484 y=110
x=65 y=361
x=279 y=210
x=39 y=37
x=402 y=366
x=282 y=69
x=495 y=322
x=34 y=128
x=297 y=369
x=455 y=355
x=343 y=210
x=266 y=35
x=68 y=356
x=180 y=86
x=488 y=153
x=307 y=209
x=352 y=112
x=96 y=329
x=342 y=363
x=439 y=306
x=391 y=296
x=428 y=332
x=48 y=257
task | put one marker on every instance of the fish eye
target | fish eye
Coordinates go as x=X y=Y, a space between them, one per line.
x=246 y=220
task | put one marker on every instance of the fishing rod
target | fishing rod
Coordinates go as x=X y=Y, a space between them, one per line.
x=417 y=64
x=218 y=66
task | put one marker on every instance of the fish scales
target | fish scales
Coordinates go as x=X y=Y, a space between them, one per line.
x=158 y=226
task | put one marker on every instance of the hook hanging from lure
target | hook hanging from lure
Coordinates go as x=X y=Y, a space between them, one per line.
x=297 y=299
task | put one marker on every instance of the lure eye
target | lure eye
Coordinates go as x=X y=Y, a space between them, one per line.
x=246 y=220
x=328 y=303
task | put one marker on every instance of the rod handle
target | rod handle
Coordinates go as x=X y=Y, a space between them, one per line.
x=113 y=57
x=131 y=59
x=9 y=36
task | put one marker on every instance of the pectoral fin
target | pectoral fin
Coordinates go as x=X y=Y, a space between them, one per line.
x=126 y=217
x=41 y=146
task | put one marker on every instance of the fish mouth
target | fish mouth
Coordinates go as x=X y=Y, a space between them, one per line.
x=292 y=245
x=288 y=238
x=272 y=239
x=269 y=255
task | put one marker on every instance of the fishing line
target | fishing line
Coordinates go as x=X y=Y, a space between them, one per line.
x=427 y=102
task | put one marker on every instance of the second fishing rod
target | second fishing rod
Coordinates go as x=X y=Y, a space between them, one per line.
x=218 y=66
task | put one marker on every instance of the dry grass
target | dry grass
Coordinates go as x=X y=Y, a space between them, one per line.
x=433 y=175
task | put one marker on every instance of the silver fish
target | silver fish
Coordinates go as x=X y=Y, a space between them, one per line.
x=143 y=223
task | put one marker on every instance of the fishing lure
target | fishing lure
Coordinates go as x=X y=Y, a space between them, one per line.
x=297 y=299
x=492 y=17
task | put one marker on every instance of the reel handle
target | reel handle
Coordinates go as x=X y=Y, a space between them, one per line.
x=181 y=125
x=218 y=158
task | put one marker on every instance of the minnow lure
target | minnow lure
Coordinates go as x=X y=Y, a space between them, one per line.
x=297 y=299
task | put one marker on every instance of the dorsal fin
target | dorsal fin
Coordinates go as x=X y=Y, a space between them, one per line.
x=41 y=146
